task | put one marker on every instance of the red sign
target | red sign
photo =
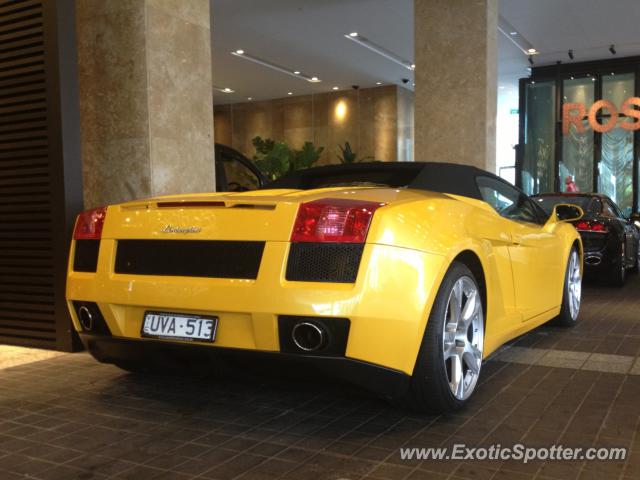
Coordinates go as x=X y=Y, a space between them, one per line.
x=574 y=114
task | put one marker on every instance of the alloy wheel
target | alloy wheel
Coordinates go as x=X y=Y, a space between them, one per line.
x=463 y=338
x=574 y=285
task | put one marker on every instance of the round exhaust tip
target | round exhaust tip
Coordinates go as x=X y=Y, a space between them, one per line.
x=86 y=319
x=308 y=336
x=592 y=260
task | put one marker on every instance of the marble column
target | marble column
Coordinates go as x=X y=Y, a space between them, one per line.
x=145 y=81
x=456 y=81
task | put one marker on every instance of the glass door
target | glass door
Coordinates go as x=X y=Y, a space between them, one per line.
x=615 y=169
x=538 y=172
x=576 y=167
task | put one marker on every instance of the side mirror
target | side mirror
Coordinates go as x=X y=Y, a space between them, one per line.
x=635 y=219
x=565 y=212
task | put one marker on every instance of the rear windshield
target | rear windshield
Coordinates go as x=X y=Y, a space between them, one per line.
x=587 y=203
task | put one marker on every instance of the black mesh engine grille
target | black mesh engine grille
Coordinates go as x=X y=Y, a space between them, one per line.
x=189 y=258
x=324 y=262
x=86 y=255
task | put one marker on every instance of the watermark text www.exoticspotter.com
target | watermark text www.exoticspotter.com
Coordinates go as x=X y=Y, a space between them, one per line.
x=517 y=452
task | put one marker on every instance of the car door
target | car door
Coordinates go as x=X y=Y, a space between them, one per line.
x=235 y=172
x=536 y=257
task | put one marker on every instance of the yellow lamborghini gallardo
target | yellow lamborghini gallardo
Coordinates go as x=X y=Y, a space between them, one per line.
x=400 y=277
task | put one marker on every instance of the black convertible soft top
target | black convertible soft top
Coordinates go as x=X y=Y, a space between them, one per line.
x=435 y=177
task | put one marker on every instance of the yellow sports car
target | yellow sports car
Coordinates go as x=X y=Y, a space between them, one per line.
x=399 y=277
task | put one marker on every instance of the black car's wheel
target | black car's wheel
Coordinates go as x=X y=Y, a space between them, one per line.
x=450 y=357
x=618 y=273
x=636 y=265
x=572 y=292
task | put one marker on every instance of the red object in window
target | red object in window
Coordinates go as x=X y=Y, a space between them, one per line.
x=334 y=220
x=570 y=185
x=591 y=226
x=89 y=224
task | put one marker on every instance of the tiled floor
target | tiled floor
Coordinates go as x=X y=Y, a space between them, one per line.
x=11 y=356
x=71 y=418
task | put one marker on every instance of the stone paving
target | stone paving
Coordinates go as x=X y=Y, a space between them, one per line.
x=68 y=417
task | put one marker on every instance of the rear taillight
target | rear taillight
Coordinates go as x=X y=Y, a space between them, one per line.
x=591 y=226
x=89 y=224
x=334 y=220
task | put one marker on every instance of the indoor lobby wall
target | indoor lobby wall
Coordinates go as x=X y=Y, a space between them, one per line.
x=373 y=120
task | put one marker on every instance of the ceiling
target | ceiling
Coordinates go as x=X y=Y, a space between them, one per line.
x=308 y=35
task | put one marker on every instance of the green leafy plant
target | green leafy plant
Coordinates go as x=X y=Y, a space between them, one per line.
x=263 y=146
x=347 y=155
x=305 y=158
x=274 y=159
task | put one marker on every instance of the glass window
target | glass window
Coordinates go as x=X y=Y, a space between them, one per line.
x=508 y=201
x=576 y=168
x=608 y=210
x=615 y=170
x=610 y=205
x=239 y=178
x=596 y=205
x=538 y=166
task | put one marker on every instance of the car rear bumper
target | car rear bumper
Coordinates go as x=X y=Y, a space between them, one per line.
x=386 y=382
x=599 y=263
x=387 y=306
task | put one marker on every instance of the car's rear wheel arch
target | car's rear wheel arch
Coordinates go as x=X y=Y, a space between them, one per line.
x=471 y=260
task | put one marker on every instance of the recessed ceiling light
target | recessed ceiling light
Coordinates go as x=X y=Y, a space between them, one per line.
x=223 y=90
x=273 y=66
x=378 y=83
x=336 y=88
x=374 y=47
x=515 y=37
x=289 y=93
x=571 y=77
x=353 y=34
x=249 y=98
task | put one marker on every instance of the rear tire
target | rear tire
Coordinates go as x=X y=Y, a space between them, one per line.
x=572 y=291
x=618 y=275
x=450 y=356
x=636 y=266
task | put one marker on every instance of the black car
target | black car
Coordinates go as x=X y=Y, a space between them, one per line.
x=611 y=240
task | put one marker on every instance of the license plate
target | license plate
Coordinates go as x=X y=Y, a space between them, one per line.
x=179 y=326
